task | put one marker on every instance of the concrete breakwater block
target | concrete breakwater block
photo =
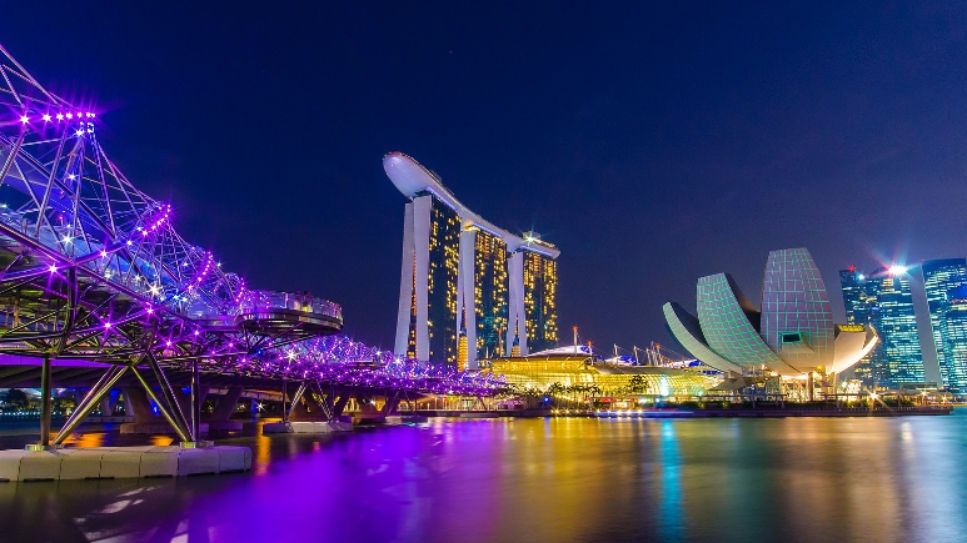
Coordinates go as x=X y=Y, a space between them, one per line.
x=10 y=464
x=197 y=461
x=40 y=466
x=121 y=462
x=160 y=462
x=234 y=459
x=406 y=419
x=307 y=427
x=80 y=463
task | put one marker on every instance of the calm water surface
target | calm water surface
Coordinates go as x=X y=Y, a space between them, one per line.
x=541 y=480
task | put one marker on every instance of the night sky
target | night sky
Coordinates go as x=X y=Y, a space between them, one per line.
x=653 y=144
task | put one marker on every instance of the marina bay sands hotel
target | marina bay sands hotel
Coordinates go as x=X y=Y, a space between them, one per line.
x=468 y=289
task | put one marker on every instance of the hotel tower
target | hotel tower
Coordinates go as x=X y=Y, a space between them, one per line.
x=468 y=289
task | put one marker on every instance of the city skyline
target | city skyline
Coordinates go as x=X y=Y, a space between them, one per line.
x=234 y=306
x=611 y=158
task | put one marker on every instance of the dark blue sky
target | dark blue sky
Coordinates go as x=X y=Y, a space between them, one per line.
x=653 y=144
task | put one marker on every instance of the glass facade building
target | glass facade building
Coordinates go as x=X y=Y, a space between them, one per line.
x=859 y=299
x=953 y=333
x=899 y=359
x=885 y=301
x=941 y=280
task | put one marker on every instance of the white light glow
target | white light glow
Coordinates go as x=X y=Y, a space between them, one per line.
x=897 y=269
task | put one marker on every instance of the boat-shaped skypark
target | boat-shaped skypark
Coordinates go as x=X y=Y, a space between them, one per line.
x=464 y=277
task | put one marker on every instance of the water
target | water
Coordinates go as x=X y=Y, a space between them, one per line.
x=804 y=479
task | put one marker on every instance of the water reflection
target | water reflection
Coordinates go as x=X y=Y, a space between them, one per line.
x=541 y=480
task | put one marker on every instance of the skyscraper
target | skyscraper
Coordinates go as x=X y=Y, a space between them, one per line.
x=540 y=298
x=885 y=300
x=464 y=279
x=953 y=332
x=941 y=280
x=859 y=301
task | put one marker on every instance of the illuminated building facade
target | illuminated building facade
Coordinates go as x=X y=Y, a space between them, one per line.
x=899 y=359
x=859 y=299
x=540 y=299
x=491 y=292
x=884 y=301
x=953 y=333
x=791 y=335
x=540 y=372
x=941 y=280
x=463 y=277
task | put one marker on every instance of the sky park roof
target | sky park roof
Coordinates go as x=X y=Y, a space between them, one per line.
x=413 y=179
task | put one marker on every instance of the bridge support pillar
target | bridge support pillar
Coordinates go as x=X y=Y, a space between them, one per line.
x=136 y=403
x=366 y=406
x=226 y=404
x=306 y=408
x=107 y=406
x=184 y=400
x=340 y=405
x=45 y=406
x=391 y=405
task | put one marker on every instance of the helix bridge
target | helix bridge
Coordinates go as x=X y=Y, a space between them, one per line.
x=93 y=270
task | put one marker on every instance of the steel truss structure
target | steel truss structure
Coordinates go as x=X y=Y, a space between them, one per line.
x=92 y=268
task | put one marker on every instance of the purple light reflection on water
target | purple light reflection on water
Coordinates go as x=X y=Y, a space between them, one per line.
x=545 y=480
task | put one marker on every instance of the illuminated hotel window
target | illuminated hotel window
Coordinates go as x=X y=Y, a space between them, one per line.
x=490 y=292
x=540 y=301
x=442 y=283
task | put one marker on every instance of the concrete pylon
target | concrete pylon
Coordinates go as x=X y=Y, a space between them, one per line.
x=184 y=399
x=136 y=404
x=107 y=405
x=226 y=404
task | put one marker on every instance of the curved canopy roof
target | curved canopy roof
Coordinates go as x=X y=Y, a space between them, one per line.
x=413 y=179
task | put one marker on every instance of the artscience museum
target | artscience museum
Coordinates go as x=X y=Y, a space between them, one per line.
x=792 y=334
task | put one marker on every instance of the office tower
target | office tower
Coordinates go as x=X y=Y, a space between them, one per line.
x=899 y=358
x=859 y=301
x=941 y=279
